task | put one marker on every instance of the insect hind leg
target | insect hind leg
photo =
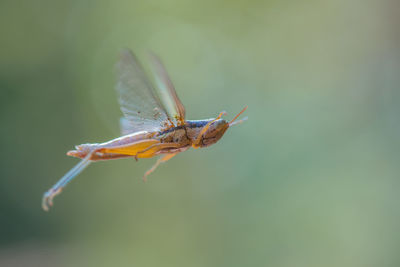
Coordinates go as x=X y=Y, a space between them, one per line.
x=154 y=149
x=48 y=196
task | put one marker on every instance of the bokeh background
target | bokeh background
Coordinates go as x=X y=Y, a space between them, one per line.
x=311 y=179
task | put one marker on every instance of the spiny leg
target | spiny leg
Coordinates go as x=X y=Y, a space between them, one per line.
x=160 y=160
x=48 y=196
x=205 y=128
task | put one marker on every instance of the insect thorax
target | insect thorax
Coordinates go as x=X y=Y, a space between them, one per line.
x=175 y=135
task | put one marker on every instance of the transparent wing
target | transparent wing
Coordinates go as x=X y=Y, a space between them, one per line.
x=139 y=104
x=169 y=98
x=125 y=126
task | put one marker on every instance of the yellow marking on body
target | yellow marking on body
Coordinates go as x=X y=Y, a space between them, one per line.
x=142 y=149
x=133 y=149
x=153 y=149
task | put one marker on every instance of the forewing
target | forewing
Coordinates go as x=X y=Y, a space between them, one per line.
x=167 y=91
x=125 y=126
x=139 y=104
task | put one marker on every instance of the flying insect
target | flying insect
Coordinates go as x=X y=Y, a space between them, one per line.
x=153 y=124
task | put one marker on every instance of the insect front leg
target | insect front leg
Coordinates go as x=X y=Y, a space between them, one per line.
x=205 y=128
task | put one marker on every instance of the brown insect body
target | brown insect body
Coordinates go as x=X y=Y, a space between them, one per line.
x=184 y=136
x=150 y=127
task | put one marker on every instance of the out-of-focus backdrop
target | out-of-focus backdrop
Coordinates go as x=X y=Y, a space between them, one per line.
x=311 y=179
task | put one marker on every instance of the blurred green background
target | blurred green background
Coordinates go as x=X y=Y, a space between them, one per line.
x=311 y=179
